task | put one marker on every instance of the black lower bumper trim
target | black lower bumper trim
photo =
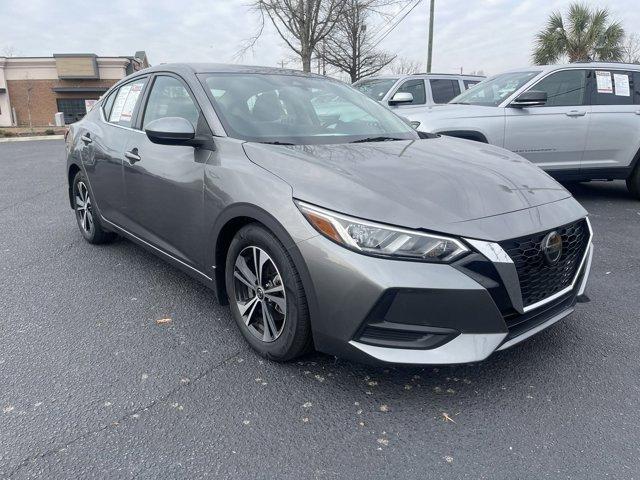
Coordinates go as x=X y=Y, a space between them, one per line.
x=397 y=335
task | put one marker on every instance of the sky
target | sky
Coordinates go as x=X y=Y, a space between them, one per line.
x=486 y=35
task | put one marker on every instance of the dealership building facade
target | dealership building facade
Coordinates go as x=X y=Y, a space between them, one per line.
x=34 y=89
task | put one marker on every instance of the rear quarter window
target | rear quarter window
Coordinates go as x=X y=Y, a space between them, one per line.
x=108 y=104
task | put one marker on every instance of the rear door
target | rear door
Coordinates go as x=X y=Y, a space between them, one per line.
x=553 y=136
x=164 y=183
x=614 y=129
x=104 y=135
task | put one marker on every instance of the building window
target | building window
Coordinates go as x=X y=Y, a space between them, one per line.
x=73 y=108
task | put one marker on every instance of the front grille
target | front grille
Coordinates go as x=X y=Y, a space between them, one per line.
x=538 y=279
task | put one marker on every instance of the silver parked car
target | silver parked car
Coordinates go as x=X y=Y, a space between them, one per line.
x=410 y=93
x=578 y=122
x=323 y=219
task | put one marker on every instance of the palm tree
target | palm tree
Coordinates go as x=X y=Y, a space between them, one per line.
x=585 y=35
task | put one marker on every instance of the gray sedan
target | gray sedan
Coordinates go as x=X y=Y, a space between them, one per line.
x=323 y=219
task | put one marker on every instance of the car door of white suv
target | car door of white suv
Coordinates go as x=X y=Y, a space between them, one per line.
x=614 y=128
x=414 y=86
x=553 y=136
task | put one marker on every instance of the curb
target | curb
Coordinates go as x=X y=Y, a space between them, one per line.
x=28 y=139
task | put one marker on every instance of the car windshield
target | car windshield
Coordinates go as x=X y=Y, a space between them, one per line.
x=299 y=110
x=375 y=88
x=493 y=91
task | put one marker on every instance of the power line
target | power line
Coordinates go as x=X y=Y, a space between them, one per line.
x=381 y=31
x=386 y=34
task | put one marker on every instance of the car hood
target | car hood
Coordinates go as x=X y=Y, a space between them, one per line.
x=436 y=184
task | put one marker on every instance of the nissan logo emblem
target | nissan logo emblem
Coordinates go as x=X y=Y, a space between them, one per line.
x=551 y=247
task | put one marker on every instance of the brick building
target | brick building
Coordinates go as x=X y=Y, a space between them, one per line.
x=33 y=89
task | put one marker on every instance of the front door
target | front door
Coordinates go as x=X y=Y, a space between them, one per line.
x=416 y=88
x=164 y=183
x=553 y=136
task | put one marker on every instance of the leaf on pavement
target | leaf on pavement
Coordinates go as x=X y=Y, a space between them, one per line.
x=447 y=418
x=162 y=321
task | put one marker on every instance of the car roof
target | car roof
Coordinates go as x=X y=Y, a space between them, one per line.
x=422 y=75
x=594 y=65
x=223 y=68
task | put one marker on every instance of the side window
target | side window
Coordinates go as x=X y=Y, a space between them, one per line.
x=564 y=89
x=170 y=98
x=470 y=83
x=636 y=88
x=108 y=103
x=125 y=102
x=415 y=88
x=613 y=87
x=443 y=90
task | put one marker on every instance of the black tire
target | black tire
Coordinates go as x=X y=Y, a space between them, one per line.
x=294 y=338
x=633 y=182
x=89 y=220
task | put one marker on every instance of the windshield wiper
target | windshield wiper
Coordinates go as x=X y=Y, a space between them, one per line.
x=377 y=139
x=277 y=143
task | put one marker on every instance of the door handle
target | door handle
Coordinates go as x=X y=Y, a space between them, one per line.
x=132 y=156
x=637 y=112
x=86 y=138
x=576 y=113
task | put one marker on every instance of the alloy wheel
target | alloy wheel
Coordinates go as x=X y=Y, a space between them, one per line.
x=259 y=293
x=84 y=209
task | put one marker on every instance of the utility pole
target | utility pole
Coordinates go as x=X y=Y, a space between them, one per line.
x=430 y=48
x=324 y=56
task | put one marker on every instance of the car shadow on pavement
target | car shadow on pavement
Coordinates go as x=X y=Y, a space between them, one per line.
x=537 y=357
x=612 y=190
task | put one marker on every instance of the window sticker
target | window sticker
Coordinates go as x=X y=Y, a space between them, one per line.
x=130 y=102
x=604 y=84
x=118 y=104
x=88 y=104
x=621 y=82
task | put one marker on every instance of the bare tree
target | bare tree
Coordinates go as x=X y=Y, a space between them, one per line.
x=8 y=51
x=29 y=86
x=631 y=49
x=406 y=66
x=302 y=24
x=351 y=46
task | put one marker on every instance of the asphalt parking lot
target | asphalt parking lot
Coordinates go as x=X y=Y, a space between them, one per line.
x=92 y=386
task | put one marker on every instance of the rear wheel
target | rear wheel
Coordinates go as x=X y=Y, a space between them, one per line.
x=86 y=214
x=266 y=295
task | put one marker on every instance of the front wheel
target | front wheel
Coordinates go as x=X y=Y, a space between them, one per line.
x=266 y=295
x=633 y=182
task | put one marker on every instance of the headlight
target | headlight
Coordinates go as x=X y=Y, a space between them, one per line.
x=382 y=240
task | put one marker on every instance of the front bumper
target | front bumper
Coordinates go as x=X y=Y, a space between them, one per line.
x=377 y=310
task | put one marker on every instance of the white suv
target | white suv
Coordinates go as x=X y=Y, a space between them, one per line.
x=411 y=93
x=578 y=122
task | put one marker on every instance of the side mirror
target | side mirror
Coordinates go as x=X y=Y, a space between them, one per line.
x=170 y=131
x=532 y=98
x=401 y=97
